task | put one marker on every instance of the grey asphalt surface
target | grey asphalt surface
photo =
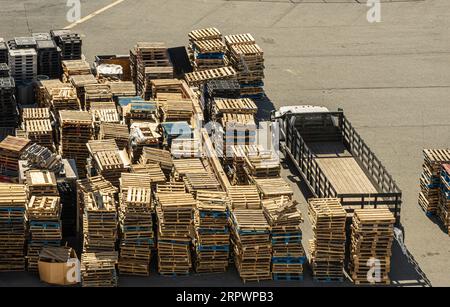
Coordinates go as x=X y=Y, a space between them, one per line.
x=391 y=78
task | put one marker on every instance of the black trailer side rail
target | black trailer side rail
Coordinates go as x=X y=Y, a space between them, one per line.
x=389 y=195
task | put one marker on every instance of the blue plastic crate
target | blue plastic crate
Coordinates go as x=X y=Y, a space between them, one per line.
x=287 y=277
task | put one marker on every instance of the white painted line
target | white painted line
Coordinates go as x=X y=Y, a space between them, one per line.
x=86 y=18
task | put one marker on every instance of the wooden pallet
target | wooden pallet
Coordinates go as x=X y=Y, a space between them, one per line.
x=35 y=113
x=11 y=149
x=199 y=77
x=244 y=196
x=237 y=106
x=183 y=166
x=239 y=39
x=161 y=157
x=152 y=169
x=273 y=187
x=116 y=132
x=204 y=34
x=44 y=208
x=200 y=181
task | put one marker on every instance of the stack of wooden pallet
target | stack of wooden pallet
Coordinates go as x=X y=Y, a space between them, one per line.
x=197 y=78
x=44 y=217
x=149 y=55
x=8 y=110
x=444 y=199
x=185 y=147
x=250 y=238
x=122 y=89
x=152 y=74
x=38 y=127
x=206 y=49
x=76 y=129
x=74 y=67
x=247 y=58
x=244 y=197
x=99 y=269
x=10 y=150
x=226 y=89
x=273 y=187
x=181 y=167
x=174 y=211
x=79 y=82
x=139 y=111
x=136 y=226
x=211 y=235
x=196 y=182
x=167 y=88
x=176 y=110
x=117 y=132
x=43 y=87
x=13 y=199
x=94 y=93
x=104 y=112
x=109 y=161
x=327 y=248
x=41 y=183
x=62 y=98
x=288 y=255
x=70 y=44
x=371 y=246
x=142 y=135
x=261 y=163
x=99 y=222
x=236 y=129
x=151 y=169
x=221 y=106
x=161 y=157
x=430 y=178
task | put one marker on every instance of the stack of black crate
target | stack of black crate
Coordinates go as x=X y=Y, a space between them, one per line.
x=217 y=89
x=48 y=58
x=8 y=109
x=70 y=44
x=3 y=51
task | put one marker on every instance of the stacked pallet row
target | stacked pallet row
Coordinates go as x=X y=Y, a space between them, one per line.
x=44 y=217
x=76 y=129
x=74 y=67
x=247 y=58
x=211 y=234
x=99 y=269
x=163 y=89
x=43 y=87
x=206 y=49
x=327 y=248
x=161 y=157
x=151 y=55
x=136 y=224
x=104 y=112
x=79 y=82
x=23 y=65
x=38 y=127
x=44 y=214
x=139 y=112
x=95 y=93
x=443 y=210
x=99 y=219
x=174 y=209
x=371 y=246
x=244 y=197
x=48 y=58
x=70 y=44
x=11 y=148
x=8 y=110
x=430 y=179
x=288 y=255
x=250 y=238
x=13 y=200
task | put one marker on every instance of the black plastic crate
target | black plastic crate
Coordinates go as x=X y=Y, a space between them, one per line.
x=4 y=70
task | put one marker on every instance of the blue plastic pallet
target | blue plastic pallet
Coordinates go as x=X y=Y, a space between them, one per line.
x=224 y=248
x=328 y=279
x=286 y=277
x=212 y=231
x=207 y=56
x=8 y=209
x=289 y=260
x=174 y=242
x=135 y=228
x=46 y=225
x=213 y=214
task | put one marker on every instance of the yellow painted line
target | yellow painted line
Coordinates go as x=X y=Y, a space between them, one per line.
x=92 y=15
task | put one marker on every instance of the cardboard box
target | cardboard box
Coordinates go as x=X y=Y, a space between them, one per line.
x=63 y=274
